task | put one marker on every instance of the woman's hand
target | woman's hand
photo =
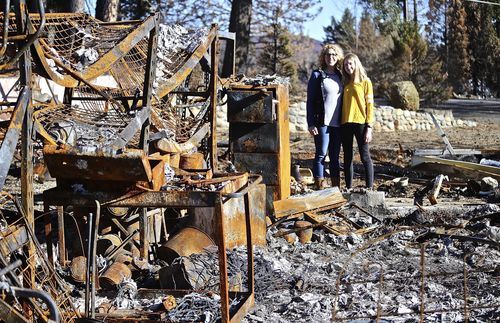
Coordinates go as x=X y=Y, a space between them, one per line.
x=368 y=135
x=313 y=130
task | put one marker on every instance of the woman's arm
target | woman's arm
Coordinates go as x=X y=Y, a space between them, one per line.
x=312 y=89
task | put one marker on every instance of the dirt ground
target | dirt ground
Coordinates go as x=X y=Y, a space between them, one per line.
x=392 y=151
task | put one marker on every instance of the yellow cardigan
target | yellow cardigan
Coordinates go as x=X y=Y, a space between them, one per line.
x=357 y=105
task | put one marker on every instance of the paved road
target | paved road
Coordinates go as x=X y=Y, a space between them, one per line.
x=471 y=108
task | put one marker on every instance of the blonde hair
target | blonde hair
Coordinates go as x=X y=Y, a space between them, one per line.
x=359 y=71
x=340 y=57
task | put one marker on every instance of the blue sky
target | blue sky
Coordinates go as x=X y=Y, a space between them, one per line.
x=314 y=28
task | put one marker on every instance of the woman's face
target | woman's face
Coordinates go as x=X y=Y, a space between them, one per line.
x=349 y=66
x=331 y=57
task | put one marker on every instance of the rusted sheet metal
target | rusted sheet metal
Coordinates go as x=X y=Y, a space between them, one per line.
x=284 y=162
x=68 y=163
x=183 y=72
x=182 y=199
x=253 y=138
x=234 y=219
x=264 y=164
x=250 y=106
x=12 y=239
x=13 y=132
x=102 y=65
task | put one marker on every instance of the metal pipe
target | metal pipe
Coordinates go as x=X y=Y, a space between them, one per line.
x=94 y=247
x=10 y=267
x=39 y=294
x=89 y=262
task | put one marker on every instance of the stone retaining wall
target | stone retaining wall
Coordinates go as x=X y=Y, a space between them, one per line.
x=387 y=119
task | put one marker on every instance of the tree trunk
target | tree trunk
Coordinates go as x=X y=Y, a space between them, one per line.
x=107 y=10
x=239 y=23
x=76 y=6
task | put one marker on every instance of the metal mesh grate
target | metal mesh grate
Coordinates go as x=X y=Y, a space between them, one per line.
x=14 y=234
x=79 y=40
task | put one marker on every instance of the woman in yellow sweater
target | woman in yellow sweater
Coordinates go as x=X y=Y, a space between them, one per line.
x=356 y=118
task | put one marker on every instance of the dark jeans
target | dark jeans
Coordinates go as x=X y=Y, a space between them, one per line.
x=348 y=131
x=327 y=141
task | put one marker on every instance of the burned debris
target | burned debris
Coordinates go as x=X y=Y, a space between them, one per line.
x=141 y=219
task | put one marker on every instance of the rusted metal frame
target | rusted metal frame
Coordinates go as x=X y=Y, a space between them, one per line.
x=48 y=234
x=27 y=194
x=6 y=95
x=422 y=282
x=221 y=245
x=31 y=37
x=125 y=241
x=149 y=77
x=10 y=314
x=39 y=294
x=466 y=277
x=250 y=264
x=91 y=274
x=130 y=130
x=105 y=63
x=68 y=94
x=188 y=66
x=14 y=130
x=6 y=14
x=177 y=199
x=124 y=231
x=214 y=62
x=143 y=233
x=61 y=236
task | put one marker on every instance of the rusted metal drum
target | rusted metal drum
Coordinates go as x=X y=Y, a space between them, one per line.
x=191 y=161
x=186 y=242
x=107 y=243
x=114 y=275
x=304 y=235
x=78 y=269
x=117 y=211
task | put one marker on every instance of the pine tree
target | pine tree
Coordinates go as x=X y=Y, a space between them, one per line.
x=458 y=64
x=342 y=32
x=484 y=49
x=367 y=38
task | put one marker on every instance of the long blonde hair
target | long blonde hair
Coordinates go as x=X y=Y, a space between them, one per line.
x=359 y=71
x=340 y=57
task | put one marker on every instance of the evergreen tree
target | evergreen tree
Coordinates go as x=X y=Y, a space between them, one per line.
x=342 y=32
x=458 y=64
x=484 y=49
x=367 y=39
x=436 y=22
x=387 y=14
